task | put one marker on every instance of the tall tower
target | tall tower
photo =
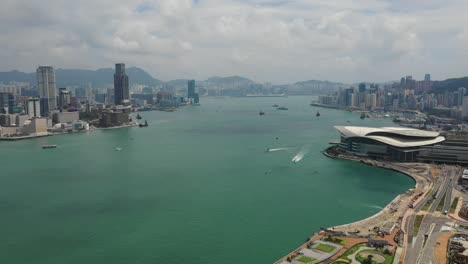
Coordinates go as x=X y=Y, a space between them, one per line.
x=121 y=91
x=191 y=89
x=427 y=77
x=63 y=99
x=47 y=87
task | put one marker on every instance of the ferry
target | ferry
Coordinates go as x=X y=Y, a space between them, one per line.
x=49 y=146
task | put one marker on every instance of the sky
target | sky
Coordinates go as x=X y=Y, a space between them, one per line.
x=277 y=41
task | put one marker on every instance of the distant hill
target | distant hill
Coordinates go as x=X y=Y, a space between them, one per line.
x=318 y=82
x=68 y=77
x=450 y=85
x=229 y=80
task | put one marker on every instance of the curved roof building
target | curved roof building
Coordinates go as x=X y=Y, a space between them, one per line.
x=395 y=143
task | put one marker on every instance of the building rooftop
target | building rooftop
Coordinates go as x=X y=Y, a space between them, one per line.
x=394 y=136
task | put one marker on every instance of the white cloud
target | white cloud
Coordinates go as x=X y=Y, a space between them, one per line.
x=267 y=40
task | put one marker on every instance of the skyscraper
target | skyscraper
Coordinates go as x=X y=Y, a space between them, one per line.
x=121 y=91
x=461 y=95
x=362 y=87
x=33 y=108
x=7 y=102
x=46 y=86
x=63 y=99
x=427 y=77
x=191 y=89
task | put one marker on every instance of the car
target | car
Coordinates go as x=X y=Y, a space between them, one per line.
x=445 y=212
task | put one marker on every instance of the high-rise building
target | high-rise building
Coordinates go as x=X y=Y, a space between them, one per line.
x=7 y=103
x=461 y=95
x=427 y=77
x=121 y=92
x=465 y=106
x=191 y=89
x=33 y=108
x=63 y=99
x=46 y=86
x=362 y=87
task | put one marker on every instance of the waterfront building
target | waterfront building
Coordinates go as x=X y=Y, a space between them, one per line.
x=121 y=91
x=388 y=143
x=33 y=108
x=191 y=89
x=446 y=152
x=44 y=105
x=46 y=86
x=111 y=119
x=65 y=117
x=166 y=100
x=35 y=126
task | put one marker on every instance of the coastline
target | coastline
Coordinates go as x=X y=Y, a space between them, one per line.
x=50 y=134
x=421 y=183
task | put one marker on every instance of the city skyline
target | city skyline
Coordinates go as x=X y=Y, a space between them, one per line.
x=280 y=42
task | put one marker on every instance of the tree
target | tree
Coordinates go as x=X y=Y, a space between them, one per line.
x=386 y=251
x=368 y=260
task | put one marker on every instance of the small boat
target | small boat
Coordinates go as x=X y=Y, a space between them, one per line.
x=282 y=108
x=318 y=114
x=261 y=113
x=138 y=116
x=363 y=115
x=49 y=146
x=143 y=125
x=118 y=149
x=275 y=105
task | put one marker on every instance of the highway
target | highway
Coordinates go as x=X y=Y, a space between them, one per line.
x=446 y=176
x=455 y=174
x=420 y=250
x=417 y=208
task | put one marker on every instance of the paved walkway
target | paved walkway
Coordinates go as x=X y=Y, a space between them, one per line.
x=352 y=257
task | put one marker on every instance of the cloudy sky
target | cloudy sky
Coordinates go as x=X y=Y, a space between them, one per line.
x=266 y=40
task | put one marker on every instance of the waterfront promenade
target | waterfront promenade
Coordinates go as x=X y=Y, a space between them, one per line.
x=392 y=219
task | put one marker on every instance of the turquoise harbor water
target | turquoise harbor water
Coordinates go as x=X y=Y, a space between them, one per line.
x=196 y=186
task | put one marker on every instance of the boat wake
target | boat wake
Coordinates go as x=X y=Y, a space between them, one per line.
x=299 y=156
x=276 y=149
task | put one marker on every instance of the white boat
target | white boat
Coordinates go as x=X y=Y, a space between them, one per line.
x=118 y=149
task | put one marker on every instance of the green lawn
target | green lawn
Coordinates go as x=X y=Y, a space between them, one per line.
x=426 y=206
x=441 y=204
x=453 y=206
x=351 y=251
x=335 y=240
x=388 y=258
x=417 y=224
x=305 y=259
x=325 y=248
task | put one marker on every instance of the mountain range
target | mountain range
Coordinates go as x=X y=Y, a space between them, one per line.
x=70 y=77
x=104 y=78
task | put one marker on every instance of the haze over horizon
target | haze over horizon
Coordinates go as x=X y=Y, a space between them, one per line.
x=277 y=41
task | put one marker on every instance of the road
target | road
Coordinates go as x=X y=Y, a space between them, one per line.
x=445 y=174
x=417 y=208
x=420 y=249
x=455 y=174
